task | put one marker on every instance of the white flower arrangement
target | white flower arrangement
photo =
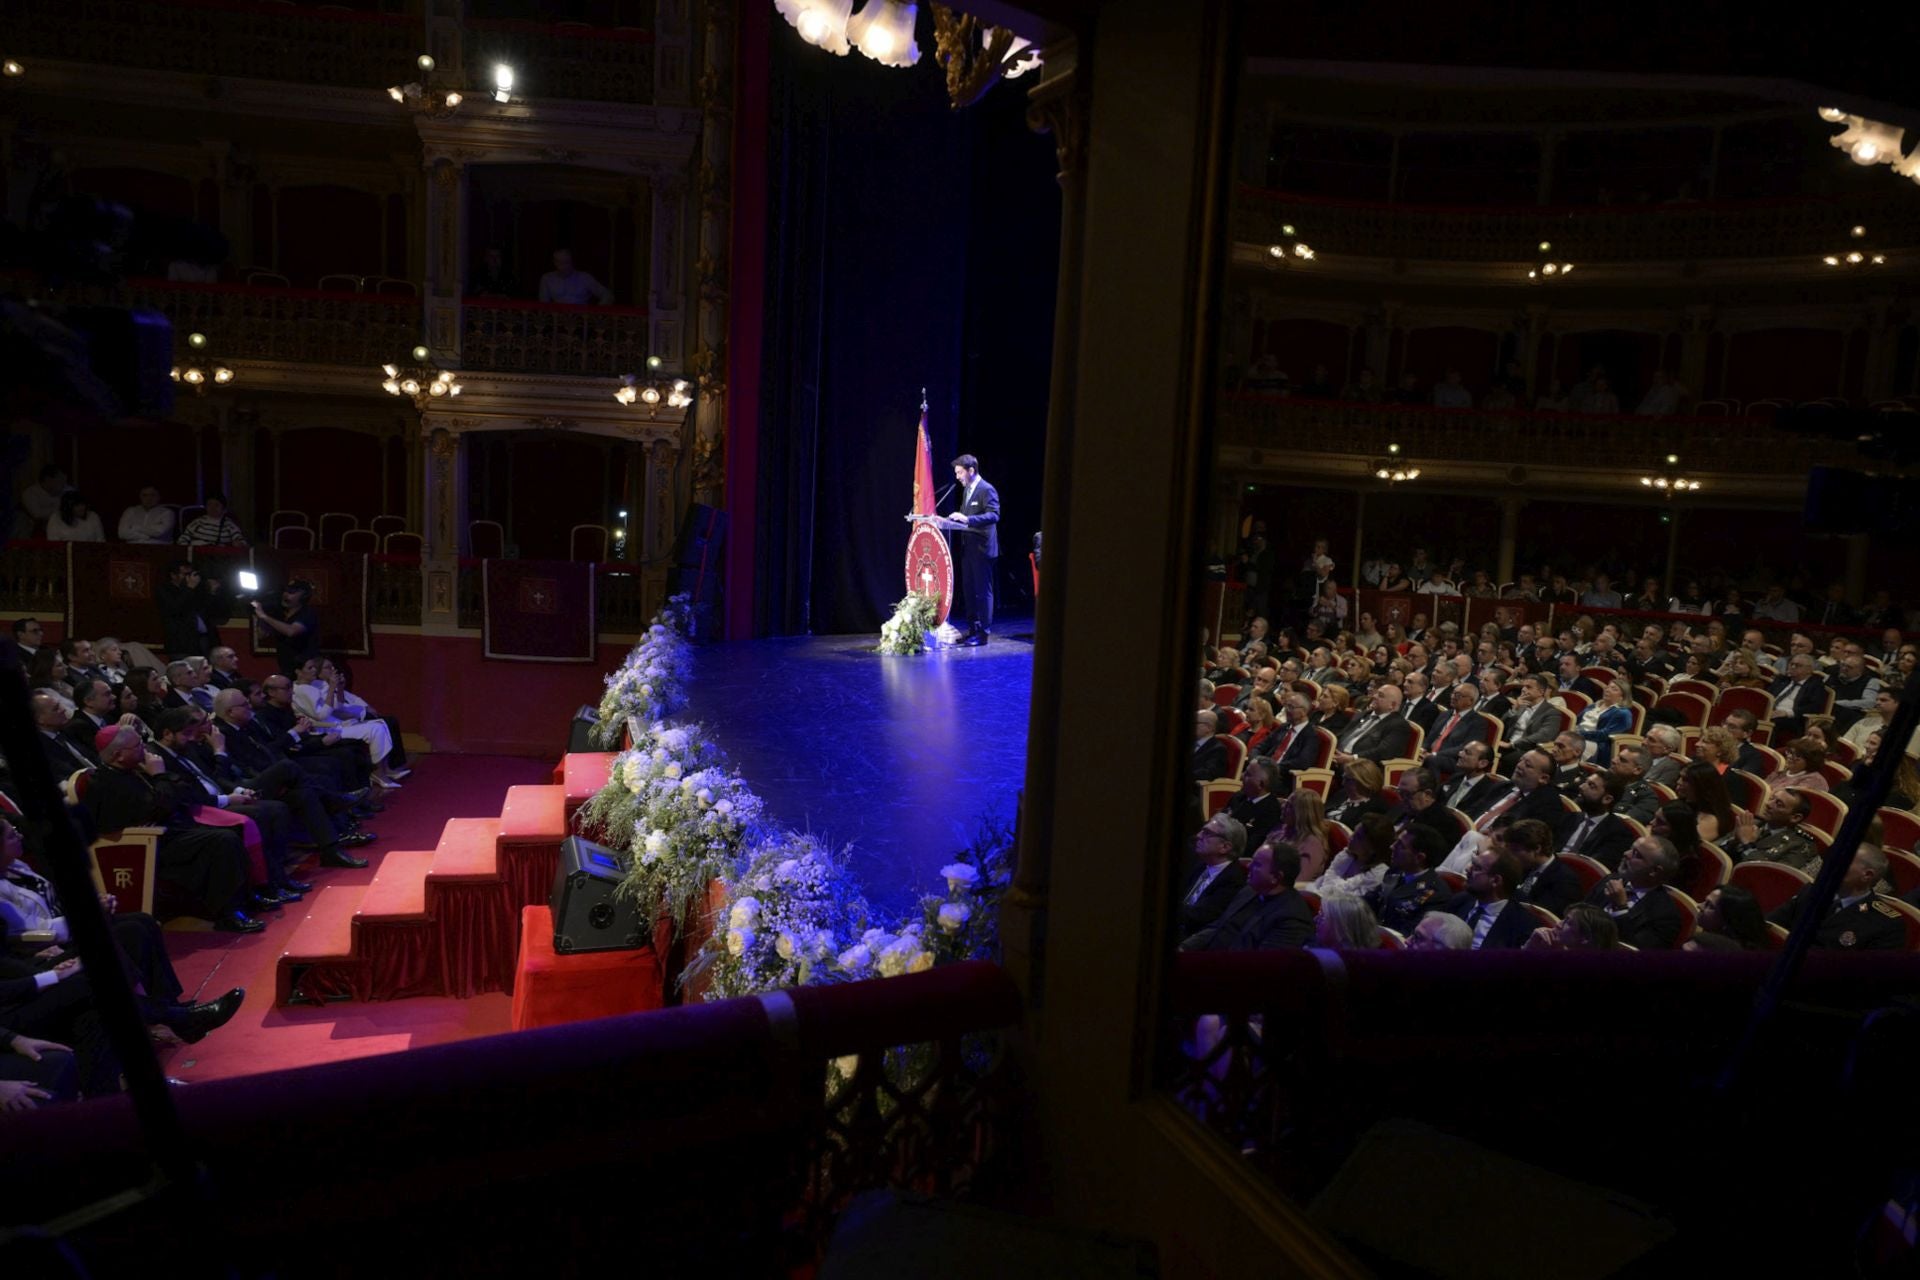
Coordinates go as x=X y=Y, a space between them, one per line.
x=907 y=630
x=613 y=813
x=784 y=918
x=690 y=827
x=963 y=923
x=651 y=684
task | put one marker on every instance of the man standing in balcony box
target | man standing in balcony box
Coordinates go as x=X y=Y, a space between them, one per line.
x=575 y=288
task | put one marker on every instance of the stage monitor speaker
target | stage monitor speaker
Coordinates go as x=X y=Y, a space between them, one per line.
x=589 y=913
x=580 y=735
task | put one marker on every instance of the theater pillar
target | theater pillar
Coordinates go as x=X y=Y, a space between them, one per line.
x=444 y=521
x=446 y=256
x=656 y=534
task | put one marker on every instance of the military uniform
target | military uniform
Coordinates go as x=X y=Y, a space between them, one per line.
x=1399 y=902
x=1871 y=924
x=1639 y=801
x=1790 y=845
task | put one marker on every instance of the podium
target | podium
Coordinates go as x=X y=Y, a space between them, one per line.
x=929 y=568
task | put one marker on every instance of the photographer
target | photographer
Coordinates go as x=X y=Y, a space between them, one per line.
x=296 y=628
x=191 y=610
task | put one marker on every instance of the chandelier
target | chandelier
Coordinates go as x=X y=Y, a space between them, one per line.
x=1871 y=142
x=1393 y=468
x=1548 y=267
x=201 y=371
x=882 y=30
x=1669 y=481
x=1856 y=257
x=1295 y=248
x=422 y=96
x=652 y=391
x=420 y=381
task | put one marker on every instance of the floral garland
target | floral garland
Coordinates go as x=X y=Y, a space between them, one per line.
x=786 y=915
x=614 y=811
x=907 y=630
x=691 y=829
x=651 y=684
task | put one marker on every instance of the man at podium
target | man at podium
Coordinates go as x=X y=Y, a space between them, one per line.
x=979 y=544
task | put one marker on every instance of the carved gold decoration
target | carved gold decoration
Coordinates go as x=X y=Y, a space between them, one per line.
x=710 y=461
x=1059 y=106
x=589 y=340
x=973 y=54
x=443 y=443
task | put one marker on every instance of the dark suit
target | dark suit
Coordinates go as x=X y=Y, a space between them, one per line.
x=1253 y=923
x=1812 y=700
x=271 y=816
x=1750 y=759
x=1580 y=685
x=1497 y=706
x=189 y=616
x=1385 y=738
x=1542 y=804
x=1607 y=842
x=1301 y=751
x=64 y=756
x=1554 y=886
x=1469 y=728
x=1399 y=903
x=1651 y=924
x=81 y=731
x=1209 y=760
x=1213 y=900
x=1867 y=925
x=1425 y=713
x=1258 y=816
x=979 y=547
x=206 y=864
x=1510 y=928
x=1476 y=799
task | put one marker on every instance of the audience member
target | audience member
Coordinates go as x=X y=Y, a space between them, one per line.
x=1859 y=919
x=75 y=520
x=1267 y=913
x=1440 y=931
x=1499 y=921
x=1597 y=831
x=1345 y=924
x=1361 y=866
x=1411 y=885
x=1217 y=879
x=1257 y=806
x=567 y=285
x=1583 y=928
x=491 y=278
x=1639 y=899
x=40 y=501
x=1732 y=912
x=146 y=520
x=1663 y=755
x=1209 y=753
x=191 y=609
x=215 y=528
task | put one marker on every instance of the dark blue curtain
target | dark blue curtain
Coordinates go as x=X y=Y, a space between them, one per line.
x=909 y=246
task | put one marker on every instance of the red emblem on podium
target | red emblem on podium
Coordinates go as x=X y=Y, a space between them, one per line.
x=930 y=567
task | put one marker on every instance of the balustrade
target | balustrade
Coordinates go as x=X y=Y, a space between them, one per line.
x=393 y=588
x=550 y=338
x=301 y=325
x=1746 y=445
x=33 y=580
x=1636 y=233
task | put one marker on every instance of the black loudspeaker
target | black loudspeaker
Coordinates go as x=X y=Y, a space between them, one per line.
x=588 y=912
x=580 y=736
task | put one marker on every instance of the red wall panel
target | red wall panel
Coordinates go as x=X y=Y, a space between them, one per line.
x=115 y=462
x=329 y=469
x=1301 y=344
x=1431 y=352
x=1788 y=364
x=325 y=229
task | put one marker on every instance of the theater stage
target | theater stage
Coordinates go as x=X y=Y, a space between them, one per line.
x=896 y=756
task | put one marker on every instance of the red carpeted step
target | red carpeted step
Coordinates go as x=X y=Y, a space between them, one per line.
x=583 y=774
x=533 y=822
x=394 y=933
x=318 y=962
x=475 y=924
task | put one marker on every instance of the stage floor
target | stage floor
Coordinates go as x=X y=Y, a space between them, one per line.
x=898 y=757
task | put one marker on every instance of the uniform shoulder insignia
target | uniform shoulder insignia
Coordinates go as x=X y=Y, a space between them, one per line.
x=1887 y=909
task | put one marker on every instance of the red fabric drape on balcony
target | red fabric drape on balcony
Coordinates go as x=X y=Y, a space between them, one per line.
x=321 y=230
x=1786 y=364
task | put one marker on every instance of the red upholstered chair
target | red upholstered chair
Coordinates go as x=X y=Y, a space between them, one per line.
x=1460 y=821
x=1390 y=940
x=1590 y=871
x=1313 y=899
x=1712 y=870
x=281 y=519
x=1316 y=780
x=1033 y=562
x=360 y=541
x=587 y=542
x=404 y=288
x=1699 y=688
x=1576 y=702
x=1216 y=796
x=404 y=544
x=1904 y=870
x=1225 y=694
x=1338 y=834
x=123 y=865
x=384 y=525
x=1758 y=701
x=1844 y=752
x=1323 y=759
x=1541 y=915
x=1236 y=757
x=293 y=537
x=1454 y=881
x=486 y=540
x=1491 y=729
x=1692 y=708
x=1689 y=916
x=333 y=527
x=1419 y=741
x=1824 y=810
x=1901 y=829
x=1776 y=937
x=1228 y=719
x=1745 y=790
x=1602 y=676
x=1910 y=916
x=1837 y=775
x=1775 y=761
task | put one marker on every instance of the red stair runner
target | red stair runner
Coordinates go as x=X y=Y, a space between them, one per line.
x=319 y=962
x=472 y=907
x=394 y=932
x=533 y=822
x=583 y=774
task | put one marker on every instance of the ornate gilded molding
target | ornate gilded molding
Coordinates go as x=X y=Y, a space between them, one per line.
x=1058 y=105
x=972 y=52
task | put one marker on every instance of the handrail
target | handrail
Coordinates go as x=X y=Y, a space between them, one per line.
x=1280 y=195
x=233 y=287
x=262 y=8
x=480 y=301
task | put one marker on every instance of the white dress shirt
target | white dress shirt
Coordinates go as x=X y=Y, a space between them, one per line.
x=146 y=524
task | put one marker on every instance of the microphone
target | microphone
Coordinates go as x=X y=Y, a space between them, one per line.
x=944 y=492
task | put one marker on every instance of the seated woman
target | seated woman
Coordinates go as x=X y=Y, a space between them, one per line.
x=1804 y=757
x=1362 y=793
x=1583 y=928
x=1742 y=671
x=1732 y=912
x=319 y=695
x=1333 y=709
x=1346 y=924
x=1717 y=748
x=1906 y=778
x=75 y=521
x=111 y=660
x=1701 y=788
x=48 y=671
x=1303 y=824
x=1366 y=632
x=1612 y=714
x=1362 y=865
x=1700 y=667
x=149 y=685
x=1260 y=731
x=1359 y=675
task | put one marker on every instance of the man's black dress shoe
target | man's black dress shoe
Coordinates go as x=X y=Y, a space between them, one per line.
x=340 y=858
x=297 y=886
x=354 y=839
x=238 y=922
x=192 y=1022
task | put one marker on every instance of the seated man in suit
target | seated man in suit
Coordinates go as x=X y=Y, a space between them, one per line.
x=1778 y=834
x=1295 y=744
x=1663 y=755
x=1638 y=899
x=207 y=865
x=1597 y=831
x=1741 y=723
x=1411 y=885
x=348 y=763
x=1265 y=682
x=1417 y=707
x=1379 y=735
x=1531 y=721
x=1257 y=806
x=1473 y=787
x=1268 y=913
x=223 y=667
x=1859 y=919
x=94 y=701
x=1491 y=688
x=173 y=739
x=1218 y=879
x=1546 y=881
x=1420 y=803
x=1531 y=795
x=65 y=757
x=1800 y=693
x=1638 y=799
x=1209 y=753
x=1448 y=737
x=1570 y=679
x=1500 y=922
x=237 y=762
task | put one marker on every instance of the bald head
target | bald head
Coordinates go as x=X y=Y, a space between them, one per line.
x=47 y=711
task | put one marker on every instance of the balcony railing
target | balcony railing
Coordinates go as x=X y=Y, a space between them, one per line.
x=567 y=59
x=550 y=338
x=1633 y=233
x=1746 y=445
x=306 y=325
x=218 y=38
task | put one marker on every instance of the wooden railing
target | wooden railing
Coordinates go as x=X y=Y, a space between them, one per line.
x=33 y=581
x=1424 y=434
x=1631 y=233
x=551 y=338
x=219 y=38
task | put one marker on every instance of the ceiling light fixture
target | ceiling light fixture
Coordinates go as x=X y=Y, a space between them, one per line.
x=201 y=371
x=423 y=96
x=821 y=23
x=883 y=30
x=1871 y=142
x=421 y=382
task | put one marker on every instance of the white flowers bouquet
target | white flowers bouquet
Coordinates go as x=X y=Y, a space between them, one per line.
x=652 y=683
x=611 y=815
x=691 y=826
x=962 y=923
x=906 y=631
x=794 y=905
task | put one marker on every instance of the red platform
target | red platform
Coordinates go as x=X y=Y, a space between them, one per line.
x=550 y=988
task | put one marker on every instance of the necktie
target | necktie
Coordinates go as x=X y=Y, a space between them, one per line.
x=1449 y=729
x=1473 y=917
x=1280 y=752
x=1500 y=806
x=204 y=780
x=72 y=750
x=1580 y=835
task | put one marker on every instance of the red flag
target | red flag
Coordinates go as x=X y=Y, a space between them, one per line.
x=923 y=490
